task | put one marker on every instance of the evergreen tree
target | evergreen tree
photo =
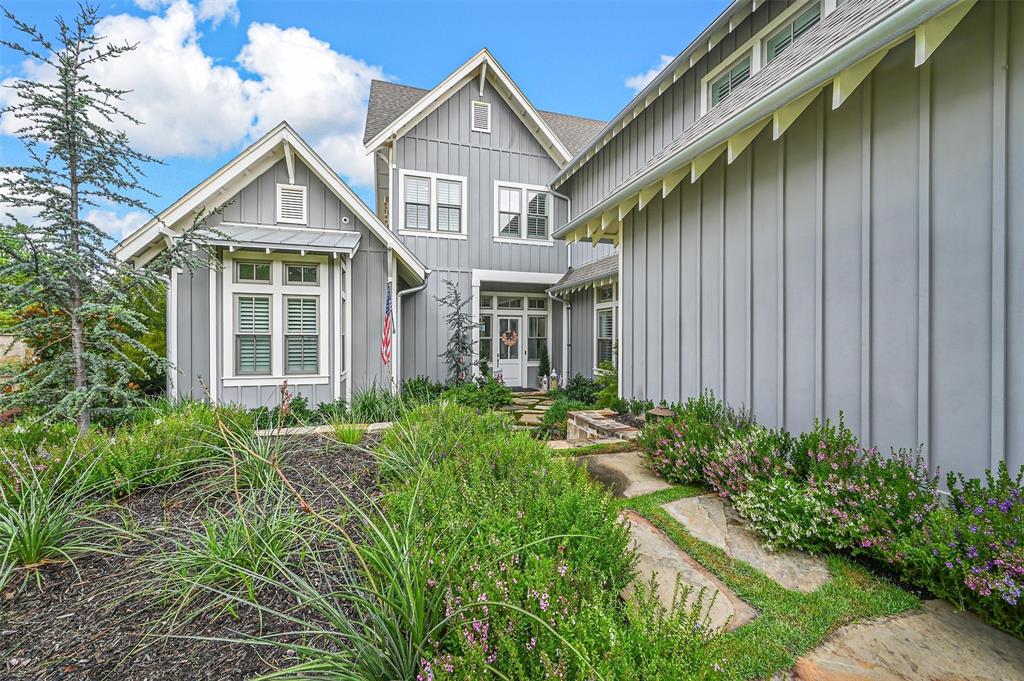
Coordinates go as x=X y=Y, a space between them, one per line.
x=59 y=272
x=459 y=354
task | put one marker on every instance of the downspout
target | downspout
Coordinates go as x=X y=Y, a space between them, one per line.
x=566 y=341
x=398 y=306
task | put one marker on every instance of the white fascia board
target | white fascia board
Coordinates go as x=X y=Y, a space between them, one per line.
x=458 y=78
x=480 y=276
x=898 y=25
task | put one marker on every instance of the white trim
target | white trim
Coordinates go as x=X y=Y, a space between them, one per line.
x=243 y=170
x=475 y=103
x=214 y=373
x=505 y=86
x=432 y=229
x=498 y=276
x=522 y=314
x=275 y=380
x=336 y=309
x=523 y=209
x=302 y=189
x=172 y=333
x=348 y=330
x=320 y=230
x=755 y=46
x=612 y=305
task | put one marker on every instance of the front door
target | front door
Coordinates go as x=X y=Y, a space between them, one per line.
x=509 y=351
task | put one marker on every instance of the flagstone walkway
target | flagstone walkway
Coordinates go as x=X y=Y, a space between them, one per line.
x=529 y=408
x=935 y=642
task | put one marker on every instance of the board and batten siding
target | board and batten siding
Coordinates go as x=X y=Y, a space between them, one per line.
x=255 y=205
x=870 y=262
x=672 y=112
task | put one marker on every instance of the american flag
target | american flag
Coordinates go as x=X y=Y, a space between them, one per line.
x=385 y=340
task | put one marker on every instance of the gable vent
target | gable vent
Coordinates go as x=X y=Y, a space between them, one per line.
x=481 y=117
x=291 y=204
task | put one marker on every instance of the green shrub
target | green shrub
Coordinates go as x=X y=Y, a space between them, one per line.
x=347 y=433
x=482 y=394
x=677 y=448
x=827 y=444
x=374 y=404
x=296 y=413
x=421 y=389
x=608 y=394
x=581 y=389
x=554 y=422
x=784 y=512
x=759 y=454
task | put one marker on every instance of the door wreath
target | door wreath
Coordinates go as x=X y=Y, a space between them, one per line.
x=509 y=338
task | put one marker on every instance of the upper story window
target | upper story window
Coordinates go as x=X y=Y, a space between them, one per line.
x=252 y=272
x=481 y=113
x=792 y=31
x=522 y=212
x=291 y=204
x=724 y=85
x=432 y=204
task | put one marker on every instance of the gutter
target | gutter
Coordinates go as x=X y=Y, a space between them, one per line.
x=900 y=22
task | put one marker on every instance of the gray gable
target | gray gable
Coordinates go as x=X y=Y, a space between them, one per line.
x=388 y=101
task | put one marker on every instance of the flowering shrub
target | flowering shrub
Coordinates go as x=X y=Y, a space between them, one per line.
x=784 y=512
x=677 y=448
x=759 y=455
x=971 y=552
x=824 y=449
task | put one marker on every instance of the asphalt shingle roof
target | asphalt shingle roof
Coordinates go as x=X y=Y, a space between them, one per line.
x=595 y=270
x=388 y=101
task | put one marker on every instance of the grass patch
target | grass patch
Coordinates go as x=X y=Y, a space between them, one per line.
x=789 y=623
x=600 y=448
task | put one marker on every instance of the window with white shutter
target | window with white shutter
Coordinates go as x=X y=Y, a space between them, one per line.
x=606 y=335
x=449 y=206
x=301 y=340
x=291 y=204
x=481 y=112
x=417 y=202
x=537 y=215
x=252 y=335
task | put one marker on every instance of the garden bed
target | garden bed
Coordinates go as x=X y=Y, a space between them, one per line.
x=99 y=619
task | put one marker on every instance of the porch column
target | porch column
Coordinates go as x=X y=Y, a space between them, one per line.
x=475 y=310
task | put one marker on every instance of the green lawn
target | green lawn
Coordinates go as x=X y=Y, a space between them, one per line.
x=788 y=623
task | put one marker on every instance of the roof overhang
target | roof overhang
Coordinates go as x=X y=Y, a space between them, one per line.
x=600 y=272
x=287 y=239
x=482 y=65
x=281 y=142
x=926 y=21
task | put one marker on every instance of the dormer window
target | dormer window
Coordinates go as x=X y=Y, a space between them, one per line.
x=724 y=85
x=792 y=32
x=291 y=204
x=481 y=112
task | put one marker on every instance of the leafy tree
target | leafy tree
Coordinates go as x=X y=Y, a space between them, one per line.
x=59 y=274
x=460 y=353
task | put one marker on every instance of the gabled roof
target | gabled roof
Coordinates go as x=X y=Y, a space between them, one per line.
x=395 y=109
x=281 y=142
x=388 y=101
x=598 y=271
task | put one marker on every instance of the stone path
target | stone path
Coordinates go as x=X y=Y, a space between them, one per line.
x=528 y=408
x=935 y=642
x=660 y=557
x=711 y=519
x=624 y=473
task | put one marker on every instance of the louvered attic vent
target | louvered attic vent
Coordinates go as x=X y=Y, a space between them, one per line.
x=291 y=204
x=481 y=117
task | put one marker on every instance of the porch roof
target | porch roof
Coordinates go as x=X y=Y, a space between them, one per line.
x=286 y=239
x=600 y=271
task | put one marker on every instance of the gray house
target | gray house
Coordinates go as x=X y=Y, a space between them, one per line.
x=809 y=210
x=815 y=209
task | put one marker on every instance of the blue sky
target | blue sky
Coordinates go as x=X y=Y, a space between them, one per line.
x=211 y=75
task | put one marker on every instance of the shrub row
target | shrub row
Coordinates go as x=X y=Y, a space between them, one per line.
x=822 y=491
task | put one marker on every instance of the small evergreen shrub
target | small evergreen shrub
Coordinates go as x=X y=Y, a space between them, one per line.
x=484 y=393
x=581 y=389
x=421 y=389
x=555 y=420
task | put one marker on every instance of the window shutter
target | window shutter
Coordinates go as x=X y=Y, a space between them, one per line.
x=481 y=112
x=301 y=315
x=291 y=204
x=302 y=341
x=253 y=314
x=605 y=323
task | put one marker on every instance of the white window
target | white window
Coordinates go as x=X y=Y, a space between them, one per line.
x=301 y=274
x=724 y=85
x=606 y=294
x=252 y=272
x=537 y=303
x=792 y=32
x=537 y=337
x=486 y=302
x=417 y=202
x=291 y=204
x=605 y=335
x=522 y=213
x=508 y=303
x=481 y=112
x=433 y=204
x=301 y=340
x=252 y=335
x=486 y=336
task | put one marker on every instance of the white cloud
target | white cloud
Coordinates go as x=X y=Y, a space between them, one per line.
x=217 y=11
x=117 y=226
x=639 y=81
x=193 y=106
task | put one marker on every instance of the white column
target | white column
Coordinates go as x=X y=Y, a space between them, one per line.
x=475 y=309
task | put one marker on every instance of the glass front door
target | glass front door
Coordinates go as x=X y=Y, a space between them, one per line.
x=509 y=351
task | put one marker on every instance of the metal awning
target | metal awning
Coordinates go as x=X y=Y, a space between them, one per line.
x=286 y=239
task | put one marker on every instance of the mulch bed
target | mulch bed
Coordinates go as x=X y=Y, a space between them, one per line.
x=95 y=620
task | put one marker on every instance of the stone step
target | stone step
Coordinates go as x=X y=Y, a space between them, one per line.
x=934 y=642
x=712 y=519
x=623 y=472
x=593 y=424
x=659 y=556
